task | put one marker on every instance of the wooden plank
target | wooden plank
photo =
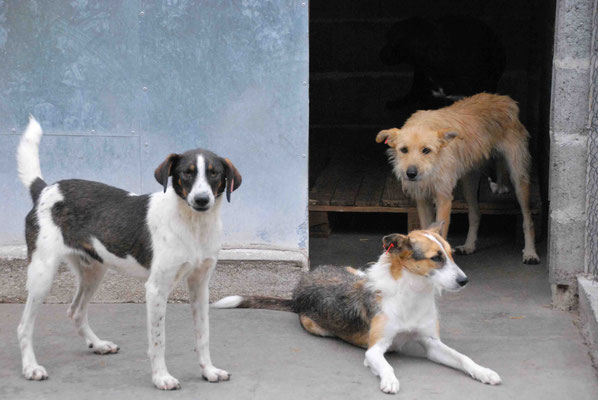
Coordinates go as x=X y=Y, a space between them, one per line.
x=405 y=210
x=393 y=195
x=323 y=189
x=349 y=181
x=371 y=189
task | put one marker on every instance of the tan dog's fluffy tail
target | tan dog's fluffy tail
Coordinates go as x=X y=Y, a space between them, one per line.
x=260 y=302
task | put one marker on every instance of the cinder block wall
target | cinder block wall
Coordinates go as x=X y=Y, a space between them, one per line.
x=569 y=123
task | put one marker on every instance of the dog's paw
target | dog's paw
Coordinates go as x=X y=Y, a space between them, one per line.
x=486 y=375
x=366 y=363
x=104 y=347
x=213 y=374
x=464 y=249
x=166 y=382
x=531 y=258
x=389 y=384
x=35 y=372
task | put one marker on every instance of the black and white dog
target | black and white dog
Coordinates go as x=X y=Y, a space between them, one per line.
x=162 y=237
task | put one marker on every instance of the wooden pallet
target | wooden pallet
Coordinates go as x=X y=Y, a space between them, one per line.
x=345 y=188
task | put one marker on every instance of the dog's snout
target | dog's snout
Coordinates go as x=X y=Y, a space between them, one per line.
x=412 y=172
x=201 y=200
x=462 y=280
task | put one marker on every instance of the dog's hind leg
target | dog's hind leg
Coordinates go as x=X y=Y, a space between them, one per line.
x=518 y=160
x=89 y=278
x=40 y=275
x=471 y=184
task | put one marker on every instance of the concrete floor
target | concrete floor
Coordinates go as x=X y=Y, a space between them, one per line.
x=502 y=320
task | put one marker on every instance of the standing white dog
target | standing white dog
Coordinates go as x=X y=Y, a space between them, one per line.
x=163 y=237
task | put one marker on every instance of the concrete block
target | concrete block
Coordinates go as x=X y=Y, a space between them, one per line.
x=588 y=314
x=566 y=249
x=573 y=29
x=568 y=175
x=570 y=97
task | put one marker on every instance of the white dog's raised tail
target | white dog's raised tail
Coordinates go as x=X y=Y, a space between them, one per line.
x=28 y=154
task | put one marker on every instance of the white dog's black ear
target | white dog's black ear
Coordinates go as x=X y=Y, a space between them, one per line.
x=164 y=170
x=436 y=227
x=233 y=177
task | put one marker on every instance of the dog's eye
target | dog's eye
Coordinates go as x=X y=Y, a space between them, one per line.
x=437 y=258
x=213 y=173
x=426 y=150
x=404 y=150
x=186 y=174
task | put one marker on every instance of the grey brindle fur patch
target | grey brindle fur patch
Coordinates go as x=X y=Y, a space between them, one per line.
x=337 y=300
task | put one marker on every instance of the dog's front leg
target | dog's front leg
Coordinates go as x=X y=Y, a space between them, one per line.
x=374 y=358
x=157 y=288
x=199 y=298
x=425 y=211
x=439 y=352
x=444 y=204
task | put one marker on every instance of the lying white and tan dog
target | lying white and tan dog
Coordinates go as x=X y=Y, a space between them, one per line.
x=382 y=309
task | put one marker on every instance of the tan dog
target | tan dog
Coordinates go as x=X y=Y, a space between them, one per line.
x=436 y=148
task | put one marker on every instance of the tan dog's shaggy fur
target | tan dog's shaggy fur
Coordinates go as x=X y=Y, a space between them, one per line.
x=436 y=148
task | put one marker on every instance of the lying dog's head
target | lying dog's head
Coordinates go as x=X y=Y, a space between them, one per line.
x=415 y=151
x=427 y=254
x=199 y=177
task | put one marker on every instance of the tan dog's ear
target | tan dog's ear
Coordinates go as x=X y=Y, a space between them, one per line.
x=446 y=136
x=387 y=136
x=396 y=243
x=436 y=227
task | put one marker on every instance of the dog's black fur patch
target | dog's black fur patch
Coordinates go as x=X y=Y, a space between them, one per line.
x=36 y=188
x=337 y=300
x=118 y=220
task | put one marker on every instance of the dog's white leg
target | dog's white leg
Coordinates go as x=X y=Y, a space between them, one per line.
x=157 y=289
x=444 y=204
x=199 y=298
x=90 y=277
x=374 y=359
x=40 y=275
x=425 y=211
x=440 y=353
x=471 y=184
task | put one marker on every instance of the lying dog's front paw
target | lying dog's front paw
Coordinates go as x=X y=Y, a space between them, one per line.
x=486 y=375
x=35 y=373
x=104 y=347
x=213 y=374
x=464 y=249
x=166 y=382
x=389 y=384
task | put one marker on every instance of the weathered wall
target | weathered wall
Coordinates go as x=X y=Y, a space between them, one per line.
x=569 y=138
x=118 y=85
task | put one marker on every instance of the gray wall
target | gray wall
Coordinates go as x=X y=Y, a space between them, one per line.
x=118 y=85
x=569 y=122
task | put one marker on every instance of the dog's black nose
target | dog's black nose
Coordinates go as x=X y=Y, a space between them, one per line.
x=412 y=172
x=462 y=281
x=201 y=200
